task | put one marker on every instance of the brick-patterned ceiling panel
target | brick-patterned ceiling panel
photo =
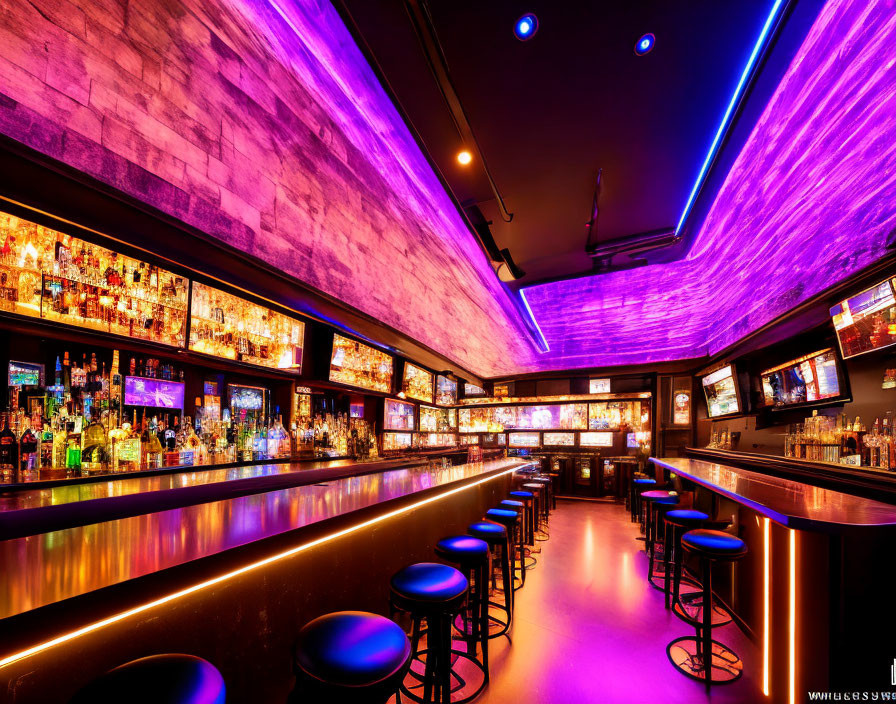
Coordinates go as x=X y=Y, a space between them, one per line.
x=261 y=124
x=810 y=200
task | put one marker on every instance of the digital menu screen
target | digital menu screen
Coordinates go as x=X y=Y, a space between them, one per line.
x=598 y=386
x=866 y=321
x=559 y=439
x=155 y=393
x=396 y=441
x=356 y=364
x=417 y=383
x=596 y=439
x=473 y=390
x=808 y=379
x=524 y=439
x=720 y=388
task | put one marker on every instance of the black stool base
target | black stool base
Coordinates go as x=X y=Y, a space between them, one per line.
x=412 y=687
x=690 y=610
x=726 y=665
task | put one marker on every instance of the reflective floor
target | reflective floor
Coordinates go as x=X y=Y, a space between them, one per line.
x=588 y=628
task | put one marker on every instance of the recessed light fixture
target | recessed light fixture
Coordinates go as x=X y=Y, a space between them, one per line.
x=645 y=44
x=464 y=157
x=526 y=27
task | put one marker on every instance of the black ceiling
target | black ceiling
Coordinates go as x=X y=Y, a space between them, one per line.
x=549 y=112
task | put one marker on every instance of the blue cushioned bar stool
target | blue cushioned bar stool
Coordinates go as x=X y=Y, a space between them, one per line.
x=656 y=503
x=350 y=656
x=677 y=521
x=472 y=556
x=528 y=499
x=172 y=678
x=500 y=544
x=699 y=656
x=511 y=519
x=433 y=593
x=549 y=504
x=522 y=528
x=638 y=485
x=540 y=494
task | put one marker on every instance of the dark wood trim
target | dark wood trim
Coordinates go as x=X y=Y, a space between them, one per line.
x=867 y=482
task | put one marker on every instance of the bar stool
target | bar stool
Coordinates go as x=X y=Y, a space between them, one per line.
x=528 y=498
x=638 y=485
x=656 y=502
x=172 y=678
x=499 y=542
x=472 y=556
x=527 y=560
x=677 y=521
x=511 y=519
x=539 y=494
x=690 y=654
x=350 y=656
x=434 y=593
x=545 y=514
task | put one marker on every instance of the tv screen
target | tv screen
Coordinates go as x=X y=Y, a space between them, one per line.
x=720 y=388
x=867 y=321
x=154 y=393
x=250 y=398
x=809 y=379
x=26 y=374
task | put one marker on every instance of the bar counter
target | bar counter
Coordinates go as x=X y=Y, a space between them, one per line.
x=42 y=510
x=814 y=588
x=790 y=503
x=197 y=577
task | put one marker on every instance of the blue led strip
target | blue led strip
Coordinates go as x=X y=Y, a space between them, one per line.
x=726 y=119
x=534 y=321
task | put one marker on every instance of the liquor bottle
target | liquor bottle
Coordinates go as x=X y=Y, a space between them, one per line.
x=28 y=455
x=9 y=452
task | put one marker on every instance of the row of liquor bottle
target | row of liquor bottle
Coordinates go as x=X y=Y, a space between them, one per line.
x=83 y=448
x=840 y=440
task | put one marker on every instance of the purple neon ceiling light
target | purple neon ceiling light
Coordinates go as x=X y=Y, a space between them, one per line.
x=810 y=199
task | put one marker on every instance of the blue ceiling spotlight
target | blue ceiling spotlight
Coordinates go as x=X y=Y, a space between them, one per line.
x=645 y=44
x=526 y=27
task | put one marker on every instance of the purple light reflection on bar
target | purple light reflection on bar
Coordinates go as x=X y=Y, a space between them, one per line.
x=810 y=200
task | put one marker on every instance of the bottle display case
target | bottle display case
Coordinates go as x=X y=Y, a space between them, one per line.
x=356 y=364
x=437 y=420
x=398 y=415
x=224 y=325
x=417 y=383
x=436 y=439
x=53 y=276
x=496 y=419
x=446 y=391
x=397 y=441
x=618 y=415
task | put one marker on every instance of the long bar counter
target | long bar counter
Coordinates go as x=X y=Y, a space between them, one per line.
x=171 y=576
x=813 y=588
x=31 y=511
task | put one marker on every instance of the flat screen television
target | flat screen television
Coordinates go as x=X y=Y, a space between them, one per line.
x=722 y=392
x=812 y=378
x=249 y=398
x=25 y=374
x=153 y=393
x=867 y=321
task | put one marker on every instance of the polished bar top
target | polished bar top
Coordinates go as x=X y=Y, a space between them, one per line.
x=115 y=485
x=790 y=503
x=43 y=569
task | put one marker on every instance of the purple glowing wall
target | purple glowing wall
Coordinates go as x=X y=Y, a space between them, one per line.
x=810 y=199
x=260 y=123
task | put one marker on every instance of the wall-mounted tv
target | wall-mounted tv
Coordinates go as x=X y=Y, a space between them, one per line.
x=867 y=321
x=153 y=393
x=249 y=398
x=25 y=374
x=722 y=392
x=810 y=379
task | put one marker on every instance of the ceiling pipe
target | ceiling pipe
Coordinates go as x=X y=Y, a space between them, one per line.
x=435 y=57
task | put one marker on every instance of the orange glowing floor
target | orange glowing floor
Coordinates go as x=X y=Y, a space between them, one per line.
x=588 y=628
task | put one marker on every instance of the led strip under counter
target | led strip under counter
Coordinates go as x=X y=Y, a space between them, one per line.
x=508 y=468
